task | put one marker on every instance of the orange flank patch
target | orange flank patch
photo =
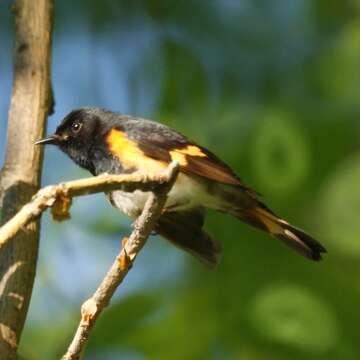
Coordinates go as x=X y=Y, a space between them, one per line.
x=129 y=153
x=180 y=154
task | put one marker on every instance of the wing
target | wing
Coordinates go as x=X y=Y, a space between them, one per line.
x=159 y=142
x=184 y=229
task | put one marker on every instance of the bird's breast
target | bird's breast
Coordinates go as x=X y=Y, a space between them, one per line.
x=188 y=192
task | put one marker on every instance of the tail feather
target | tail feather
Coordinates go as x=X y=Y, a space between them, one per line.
x=263 y=218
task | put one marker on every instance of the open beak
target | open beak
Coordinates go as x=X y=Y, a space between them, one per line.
x=51 y=140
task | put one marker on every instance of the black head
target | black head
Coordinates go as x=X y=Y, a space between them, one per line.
x=76 y=135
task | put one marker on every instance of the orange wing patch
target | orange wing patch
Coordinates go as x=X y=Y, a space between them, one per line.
x=129 y=154
x=180 y=154
x=152 y=157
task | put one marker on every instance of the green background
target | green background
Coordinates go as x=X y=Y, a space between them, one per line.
x=272 y=87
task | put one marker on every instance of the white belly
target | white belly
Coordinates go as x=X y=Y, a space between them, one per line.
x=186 y=193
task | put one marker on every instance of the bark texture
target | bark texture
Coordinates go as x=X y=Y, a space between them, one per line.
x=31 y=103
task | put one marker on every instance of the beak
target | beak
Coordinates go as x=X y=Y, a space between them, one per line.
x=51 y=140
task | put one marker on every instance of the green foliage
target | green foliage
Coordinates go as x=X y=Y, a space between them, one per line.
x=273 y=89
x=340 y=206
x=292 y=316
x=281 y=158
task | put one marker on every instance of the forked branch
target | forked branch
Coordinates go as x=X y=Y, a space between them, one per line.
x=61 y=194
x=59 y=197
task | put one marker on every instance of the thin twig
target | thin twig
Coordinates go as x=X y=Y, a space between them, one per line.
x=144 y=224
x=47 y=196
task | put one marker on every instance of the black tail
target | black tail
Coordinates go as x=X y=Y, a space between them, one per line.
x=264 y=219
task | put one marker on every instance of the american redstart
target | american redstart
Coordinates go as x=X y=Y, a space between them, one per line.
x=102 y=141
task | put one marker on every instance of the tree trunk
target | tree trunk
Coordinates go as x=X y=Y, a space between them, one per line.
x=31 y=103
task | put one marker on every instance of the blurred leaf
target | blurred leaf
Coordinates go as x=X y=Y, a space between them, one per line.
x=340 y=207
x=343 y=86
x=280 y=153
x=294 y=316
x=48 y=341
x=125 y=317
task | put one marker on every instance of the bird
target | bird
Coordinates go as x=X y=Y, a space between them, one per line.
x=103 y=141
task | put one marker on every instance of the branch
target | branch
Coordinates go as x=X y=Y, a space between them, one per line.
x=31 y=103
x=59 y=197
x=48 y=196
x=144 y=224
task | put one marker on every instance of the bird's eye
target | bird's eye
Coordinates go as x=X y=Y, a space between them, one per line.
x=75 y=127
